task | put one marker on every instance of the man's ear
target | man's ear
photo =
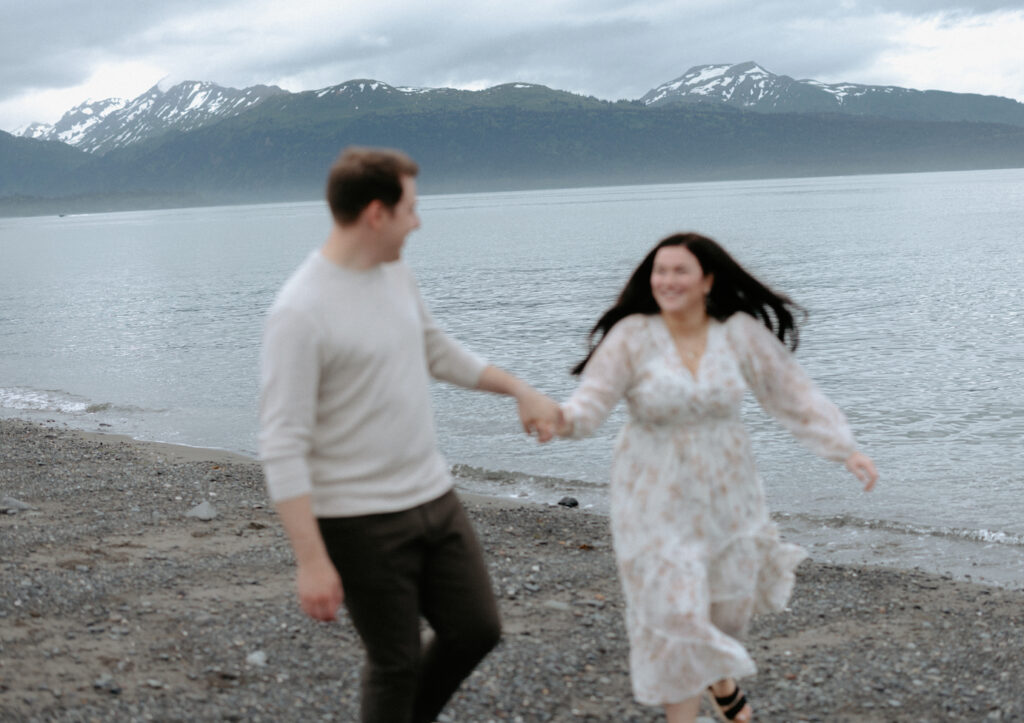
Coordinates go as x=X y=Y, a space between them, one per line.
x=374 y=212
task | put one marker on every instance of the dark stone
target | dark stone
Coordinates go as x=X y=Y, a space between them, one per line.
x=568 y=502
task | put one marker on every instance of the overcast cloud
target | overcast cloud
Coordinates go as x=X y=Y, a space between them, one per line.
x=55 y=54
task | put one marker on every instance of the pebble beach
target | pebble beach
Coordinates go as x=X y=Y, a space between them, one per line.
x=143 y=581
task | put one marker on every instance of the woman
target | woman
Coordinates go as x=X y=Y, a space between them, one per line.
x=696 y=550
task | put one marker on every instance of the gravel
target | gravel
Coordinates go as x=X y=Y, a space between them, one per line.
x=118 y=605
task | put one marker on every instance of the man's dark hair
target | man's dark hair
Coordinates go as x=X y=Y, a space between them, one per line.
x=363 y=175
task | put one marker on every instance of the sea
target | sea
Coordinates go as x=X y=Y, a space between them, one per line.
x=148 y=324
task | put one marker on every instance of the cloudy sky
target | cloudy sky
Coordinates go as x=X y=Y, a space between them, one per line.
x=55 y=54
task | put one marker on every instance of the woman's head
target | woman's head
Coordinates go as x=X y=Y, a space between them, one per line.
x=669 y=276
x=678 y=282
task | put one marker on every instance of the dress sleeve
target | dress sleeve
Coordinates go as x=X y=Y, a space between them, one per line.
x=606 y=378
x=784 y=390
x=289 y=383
x=447 y=359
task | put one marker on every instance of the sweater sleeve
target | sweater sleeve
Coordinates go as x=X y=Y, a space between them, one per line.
x=447 y=359
x=785 y=390
x=290 y=378
x=606 y=378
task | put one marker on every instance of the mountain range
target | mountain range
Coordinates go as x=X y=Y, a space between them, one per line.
x=97 y=127
x=749 y=86
x=197 y=142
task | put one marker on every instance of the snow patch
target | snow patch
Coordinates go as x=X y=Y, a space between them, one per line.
x=706 y=73
x=198 y=100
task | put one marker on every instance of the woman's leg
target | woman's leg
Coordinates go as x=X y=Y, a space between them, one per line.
x=685 y=712
x=732 y=618
x=726 y=690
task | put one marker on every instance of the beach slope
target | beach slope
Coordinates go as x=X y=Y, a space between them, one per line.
x=115 y=604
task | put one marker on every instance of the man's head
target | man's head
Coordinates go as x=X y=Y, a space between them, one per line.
x=361 y=176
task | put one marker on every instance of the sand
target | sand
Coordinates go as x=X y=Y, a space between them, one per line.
x=116 y=605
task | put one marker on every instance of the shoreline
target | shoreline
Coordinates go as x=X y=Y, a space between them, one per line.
x=168 y=450
x=118 y=606
x=896 y=545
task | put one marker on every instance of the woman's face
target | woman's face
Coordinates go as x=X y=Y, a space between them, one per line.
x=677 y=280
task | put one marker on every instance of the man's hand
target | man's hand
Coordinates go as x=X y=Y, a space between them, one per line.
x=317 y=581
x=538 y=414
x=320 y=591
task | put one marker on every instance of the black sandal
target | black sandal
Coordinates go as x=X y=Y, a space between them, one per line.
x=728 y=706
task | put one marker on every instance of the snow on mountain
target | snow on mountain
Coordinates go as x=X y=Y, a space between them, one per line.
x=354 y=89
x=748 y=85
x=33 y=130
x=743 y=84
x=101 y=126
x=844 y=91
x=76 y=123
x=98 y=127
x=751 y=87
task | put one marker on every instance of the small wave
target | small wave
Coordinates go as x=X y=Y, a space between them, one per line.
x=50 y=400
x=1000 y=538
x=511 y=479
x=839 y=521
x=41 y=401
x=504 y=479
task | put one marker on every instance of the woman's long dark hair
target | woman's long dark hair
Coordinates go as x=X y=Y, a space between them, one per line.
x=733 y=289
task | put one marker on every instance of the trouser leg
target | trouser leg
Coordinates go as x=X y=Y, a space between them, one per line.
x=393 y=568
x=379 y=559
x=458 y=601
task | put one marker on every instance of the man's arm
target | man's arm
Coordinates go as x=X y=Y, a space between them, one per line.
x=537 y=412
x=317 y=580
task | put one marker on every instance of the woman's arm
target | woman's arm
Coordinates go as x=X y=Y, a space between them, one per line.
x=606 y=378
x=785 y=391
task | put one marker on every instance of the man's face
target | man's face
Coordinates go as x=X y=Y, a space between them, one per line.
x=400 y=221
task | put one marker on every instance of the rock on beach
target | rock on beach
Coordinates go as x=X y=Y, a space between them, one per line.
x=115 y=605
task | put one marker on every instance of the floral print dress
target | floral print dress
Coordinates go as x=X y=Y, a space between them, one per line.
x=696 y=551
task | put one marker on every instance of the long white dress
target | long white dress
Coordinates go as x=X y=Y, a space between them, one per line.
x=696 y=550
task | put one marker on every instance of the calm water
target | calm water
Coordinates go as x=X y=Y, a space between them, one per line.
x=148 y=324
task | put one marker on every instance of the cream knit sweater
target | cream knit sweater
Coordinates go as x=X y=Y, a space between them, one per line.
x=345 y=410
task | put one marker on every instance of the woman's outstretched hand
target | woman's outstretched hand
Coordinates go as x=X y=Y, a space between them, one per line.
x=863 y=469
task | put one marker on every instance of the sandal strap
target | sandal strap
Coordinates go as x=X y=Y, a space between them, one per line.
x=731 y=704
x=734 y=711
x=727 y=699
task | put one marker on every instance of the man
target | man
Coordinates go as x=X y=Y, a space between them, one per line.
x=348 y=447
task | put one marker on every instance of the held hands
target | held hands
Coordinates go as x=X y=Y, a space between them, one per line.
x=540 y=415
x=863 y=469
x=320 y=591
